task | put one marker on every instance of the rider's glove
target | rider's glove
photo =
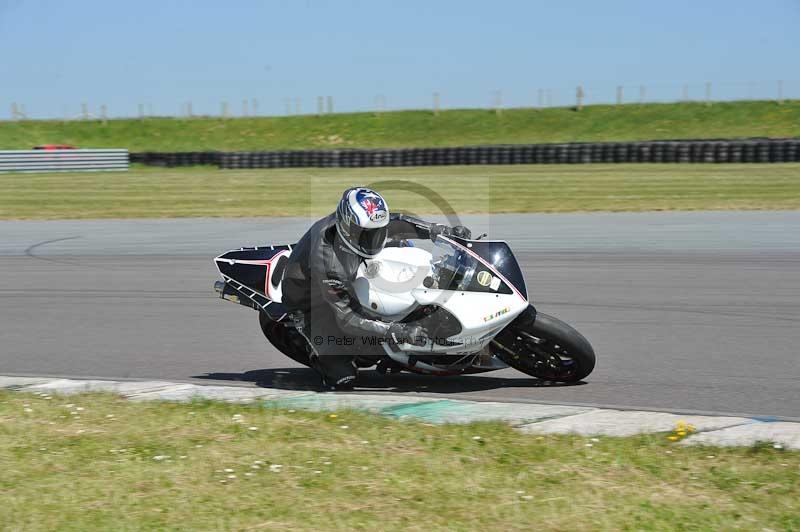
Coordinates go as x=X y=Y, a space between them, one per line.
x=439 y=229
x=406 y=333
x=461 y=232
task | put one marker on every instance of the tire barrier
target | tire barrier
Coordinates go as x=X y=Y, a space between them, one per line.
x=671 y=151
x=181 y=158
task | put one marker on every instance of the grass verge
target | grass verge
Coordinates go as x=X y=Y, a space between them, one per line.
x=418 y=128
x=185 y=192
x=100 y=462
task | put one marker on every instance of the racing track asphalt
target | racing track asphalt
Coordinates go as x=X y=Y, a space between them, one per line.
x=686 y=311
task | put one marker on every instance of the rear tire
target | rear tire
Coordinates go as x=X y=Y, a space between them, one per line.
x=547 y=349
x=285 y=338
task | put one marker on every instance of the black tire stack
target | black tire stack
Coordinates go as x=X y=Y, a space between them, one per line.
x=683 y=151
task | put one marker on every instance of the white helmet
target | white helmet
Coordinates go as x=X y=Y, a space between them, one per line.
x=361 y=221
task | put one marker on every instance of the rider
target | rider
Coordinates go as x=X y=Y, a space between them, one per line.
x=317 y=282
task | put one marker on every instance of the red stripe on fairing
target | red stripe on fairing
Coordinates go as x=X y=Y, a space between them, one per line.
x=264 y=262
x=243 y=261
x=269 y=267
x=489 y=266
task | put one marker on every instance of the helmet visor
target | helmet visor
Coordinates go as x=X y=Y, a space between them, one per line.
x=368 y=241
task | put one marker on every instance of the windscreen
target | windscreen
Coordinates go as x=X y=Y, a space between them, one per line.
x=457 y=268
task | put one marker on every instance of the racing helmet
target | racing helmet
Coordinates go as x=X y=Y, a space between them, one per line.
x=362 y=218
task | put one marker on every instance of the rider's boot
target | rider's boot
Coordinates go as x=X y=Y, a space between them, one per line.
x=339 y=372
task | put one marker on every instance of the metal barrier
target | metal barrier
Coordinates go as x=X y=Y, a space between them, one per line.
x=100 y=160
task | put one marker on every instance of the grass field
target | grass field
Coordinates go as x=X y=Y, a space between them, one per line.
x=154 y=192
x=97 y=462
x=418 y=128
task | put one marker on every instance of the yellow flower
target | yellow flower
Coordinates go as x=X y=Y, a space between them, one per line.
x=681 y=433
x=672 y=438
x=333 y=416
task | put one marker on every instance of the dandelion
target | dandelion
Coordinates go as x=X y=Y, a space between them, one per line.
x=595 y=440
x=160 y=457
x=197 y=446
x=181 y=457
x=79 y=408
x=68 y=405
x=327 y=463
x=109 y=416
x=228 y=470
x=672 y=437
x=520 y=492
x=527 y=497
x=28 y=410
x=248 y=474
x=365 y=442
x=589 y=445
x=231 y=476
x=275 y=468
x=317 y=472
x=252 y=428
x=344 y=426
x=710 y=456
x=332 y=416
x=292 y=411
x=681 y=433
x=476 y=438
x=255 y=466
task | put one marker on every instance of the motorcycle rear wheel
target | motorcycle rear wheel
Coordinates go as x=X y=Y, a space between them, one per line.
x=285 y=338
x=547 y=349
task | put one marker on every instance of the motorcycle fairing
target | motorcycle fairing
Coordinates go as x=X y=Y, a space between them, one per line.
x=254 y=274
x=498 y=259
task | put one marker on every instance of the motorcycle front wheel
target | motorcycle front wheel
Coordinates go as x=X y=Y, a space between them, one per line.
x=546 y=348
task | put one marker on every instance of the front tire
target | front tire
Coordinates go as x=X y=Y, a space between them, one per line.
x=545 y=348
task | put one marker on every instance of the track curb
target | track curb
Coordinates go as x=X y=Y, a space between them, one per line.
x=531 y=418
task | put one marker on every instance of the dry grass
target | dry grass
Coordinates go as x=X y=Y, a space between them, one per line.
x=99 y=462
x=186 y=192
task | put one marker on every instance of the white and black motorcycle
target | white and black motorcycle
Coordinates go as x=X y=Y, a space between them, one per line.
x=469 y=295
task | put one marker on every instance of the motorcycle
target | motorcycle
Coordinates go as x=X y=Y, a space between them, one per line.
x=468 y=295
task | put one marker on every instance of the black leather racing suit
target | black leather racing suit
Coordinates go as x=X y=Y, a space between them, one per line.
x=317 y=288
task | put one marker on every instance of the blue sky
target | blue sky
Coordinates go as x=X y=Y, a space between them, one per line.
x=55 y=55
